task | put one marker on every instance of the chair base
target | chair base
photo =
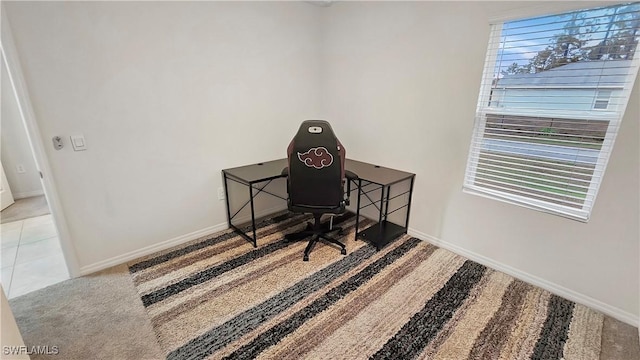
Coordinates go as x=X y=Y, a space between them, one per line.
x=317 y=232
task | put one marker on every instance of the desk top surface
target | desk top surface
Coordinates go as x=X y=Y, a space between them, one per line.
x=273 y=169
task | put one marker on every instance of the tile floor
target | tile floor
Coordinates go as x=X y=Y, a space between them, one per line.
x=31 y=256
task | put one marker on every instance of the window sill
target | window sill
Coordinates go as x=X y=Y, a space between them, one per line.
x=505 y=198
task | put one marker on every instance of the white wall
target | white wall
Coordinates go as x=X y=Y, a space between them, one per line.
x=166 y=94
x=15 y=148
x=402 y=82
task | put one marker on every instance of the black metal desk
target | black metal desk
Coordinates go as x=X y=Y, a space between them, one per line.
x=377 y=187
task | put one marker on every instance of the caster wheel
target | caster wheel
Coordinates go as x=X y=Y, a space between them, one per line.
x=343 y=251
x=305 y=258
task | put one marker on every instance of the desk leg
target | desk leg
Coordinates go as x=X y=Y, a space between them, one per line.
x=226 y=196
x=406 y=225
x=253 y=216
x=386 y=208
x=358 y=207
x=380 y=216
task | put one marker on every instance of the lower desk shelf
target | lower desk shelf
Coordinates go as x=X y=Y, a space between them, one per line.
x=390 y=231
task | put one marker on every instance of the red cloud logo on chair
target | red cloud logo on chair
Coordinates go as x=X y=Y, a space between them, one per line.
x=318 y=157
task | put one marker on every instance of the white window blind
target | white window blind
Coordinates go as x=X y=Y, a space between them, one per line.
x=552 y=96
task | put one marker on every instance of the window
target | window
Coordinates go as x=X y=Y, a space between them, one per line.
x=602 y=99
x=552 y=96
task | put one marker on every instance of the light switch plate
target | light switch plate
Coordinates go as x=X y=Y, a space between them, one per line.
x=78 y=143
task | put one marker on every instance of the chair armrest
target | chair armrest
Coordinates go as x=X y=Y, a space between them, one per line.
x=285 y=171
x=350 y=175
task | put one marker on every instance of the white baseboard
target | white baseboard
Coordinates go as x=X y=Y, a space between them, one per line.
x=27 y=194
x=163 y=245
x=559 y=290
x=148 y=250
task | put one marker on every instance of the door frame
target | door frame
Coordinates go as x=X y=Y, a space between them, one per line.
x=11 y=58
x=6 y=197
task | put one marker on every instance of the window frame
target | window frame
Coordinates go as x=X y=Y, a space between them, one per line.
x=613 y=115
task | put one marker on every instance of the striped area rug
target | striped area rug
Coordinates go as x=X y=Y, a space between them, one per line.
x=220 y=298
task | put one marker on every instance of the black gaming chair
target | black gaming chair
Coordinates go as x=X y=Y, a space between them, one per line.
x=316 y=178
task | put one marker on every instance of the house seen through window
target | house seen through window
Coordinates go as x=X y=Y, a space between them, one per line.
x=553 y=93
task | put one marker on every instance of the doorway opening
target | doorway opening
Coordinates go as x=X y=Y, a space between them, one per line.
x=32 y=257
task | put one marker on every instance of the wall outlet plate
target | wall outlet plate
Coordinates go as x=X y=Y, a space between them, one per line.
x=57 y=142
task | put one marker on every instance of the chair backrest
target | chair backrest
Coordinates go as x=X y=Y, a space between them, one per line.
x=316 y=167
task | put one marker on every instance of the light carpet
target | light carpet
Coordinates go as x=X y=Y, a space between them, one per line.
x=219 y=297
